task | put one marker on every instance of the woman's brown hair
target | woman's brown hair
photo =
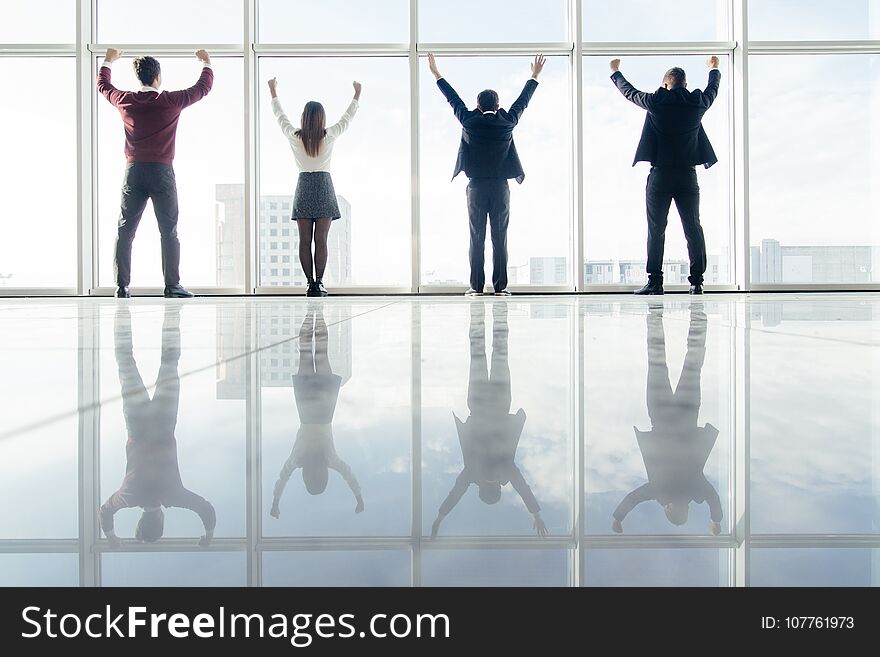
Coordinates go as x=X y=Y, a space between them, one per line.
x=312 y=131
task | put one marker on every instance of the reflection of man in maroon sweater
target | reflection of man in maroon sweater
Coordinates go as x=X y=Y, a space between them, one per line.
x=150 y=118
x=152 y=474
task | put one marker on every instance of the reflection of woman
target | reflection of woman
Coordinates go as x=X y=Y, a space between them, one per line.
x=314 y=203
x=152 y=474
x=316 y=390
x=490 y=436
x=676 y=449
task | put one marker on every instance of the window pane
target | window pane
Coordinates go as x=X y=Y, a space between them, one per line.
x=179 y=427
x=814 y=195
x=38 y=203
x=492 y=21
x=665 y=419
x=334 y=21
x=615 y=226
x=657 y=567
x=539 y=234
x=170 y=21
x=690 y=20
x=319 y=376
x=483 y=404
x=39 y=458
x=791 y=20
x=39 y=570
x=209 y=160
x=370 y=243
x=174 y=569
x=46 y=21
x=337 y=568
x=540 y=567
x=814 y=567
x=798 y=484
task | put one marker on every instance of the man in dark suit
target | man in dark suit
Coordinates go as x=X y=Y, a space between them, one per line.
x=676 y=448
x=488 y=157
x=674 y=142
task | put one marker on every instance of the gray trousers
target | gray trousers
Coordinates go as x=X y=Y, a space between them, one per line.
x=144 y=181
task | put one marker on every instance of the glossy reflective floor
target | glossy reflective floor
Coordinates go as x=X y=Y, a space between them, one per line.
x=731 y=440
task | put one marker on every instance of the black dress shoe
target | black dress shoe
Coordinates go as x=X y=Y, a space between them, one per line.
x=653 y=287
x=177 y=292
x=697 y=289
x=312 y=290
x=122 y=293
x=319 y=287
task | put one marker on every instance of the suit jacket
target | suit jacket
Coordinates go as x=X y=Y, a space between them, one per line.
x=487 y=149
x=673 y=134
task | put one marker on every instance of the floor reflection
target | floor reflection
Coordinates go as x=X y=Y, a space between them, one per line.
x=316 y=390
x=676 y=448
x=152 y=474
x=442 y=441
x=490 y=435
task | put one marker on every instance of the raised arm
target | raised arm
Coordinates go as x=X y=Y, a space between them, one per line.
x=116 y=502
x=639 y=495
x=711 y=90
x=458 y=107
x=462 y=482
x=343 y=468
x=289 y=467
x=520 y=104
x=342 y=124
x=105 y=86
x=186 y=499
x=186 y=97
x=287 y=128
x=643 y=99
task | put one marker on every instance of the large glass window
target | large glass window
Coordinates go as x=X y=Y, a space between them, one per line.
x=492 y=21
x=370 y=243
x=817 y=20
x=334 y=21
x=46 y=21
x=648 y=20
x=38 y=203
x=170 y=21
x=540 y=208
x=209 y=166
x=615 y=225
x=813 y=184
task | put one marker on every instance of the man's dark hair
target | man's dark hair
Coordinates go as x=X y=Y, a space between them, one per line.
x=146 y=69
x=487 y=100
x=675 y=77
x=151 y=526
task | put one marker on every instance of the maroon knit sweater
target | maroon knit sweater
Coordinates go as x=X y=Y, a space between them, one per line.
x=150 y=118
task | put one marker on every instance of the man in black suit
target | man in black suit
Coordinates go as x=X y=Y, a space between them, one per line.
x=674 y=142
x=488 y=157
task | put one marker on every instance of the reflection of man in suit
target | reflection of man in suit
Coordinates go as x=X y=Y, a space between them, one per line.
x=490 y=435
x=152 y=474
x=488 y=157
x=676 y=449
x=316 y=389
x=674 y=142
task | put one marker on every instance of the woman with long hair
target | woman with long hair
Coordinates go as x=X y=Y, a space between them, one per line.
x=314 y=203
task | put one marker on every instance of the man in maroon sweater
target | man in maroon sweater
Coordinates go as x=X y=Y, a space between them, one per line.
x=150 y=119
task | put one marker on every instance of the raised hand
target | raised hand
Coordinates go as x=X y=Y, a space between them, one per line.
x=540 y=526
x=273 y=86
x=617 y=526
x=112 y=54
x=712 y=62
x=432 y=64
x=357 y=89
x=203 y=56
x=615 y=65
x=538 y=65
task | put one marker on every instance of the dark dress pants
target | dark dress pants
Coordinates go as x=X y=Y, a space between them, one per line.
x=488 y=198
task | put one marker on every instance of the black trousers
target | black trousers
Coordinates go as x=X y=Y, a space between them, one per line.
x=680 y=185
x=144 y=181
x=488 y=197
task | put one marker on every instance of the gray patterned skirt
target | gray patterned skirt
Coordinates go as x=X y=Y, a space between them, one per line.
x=315 y=197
